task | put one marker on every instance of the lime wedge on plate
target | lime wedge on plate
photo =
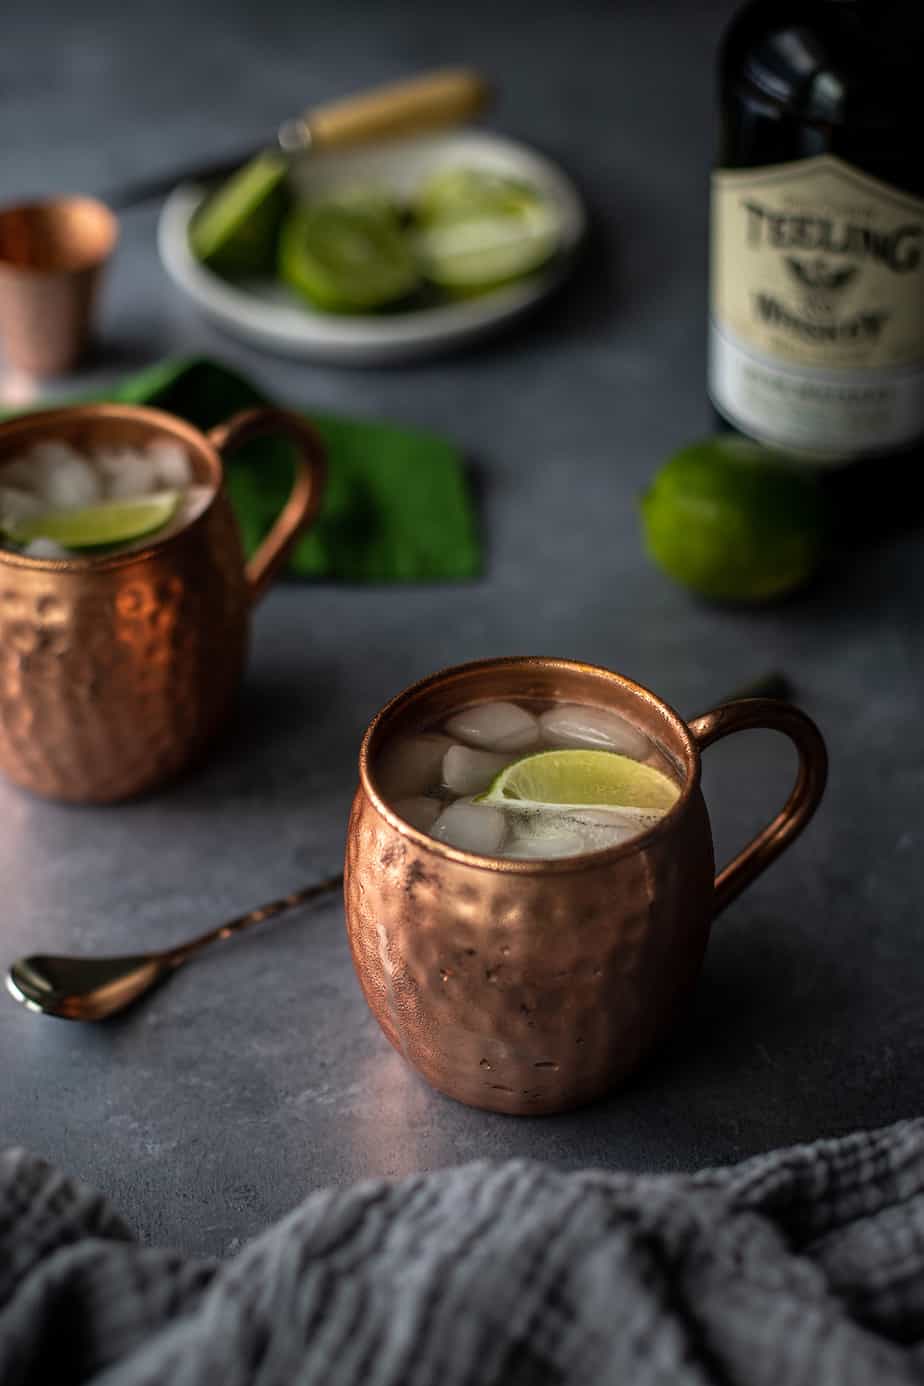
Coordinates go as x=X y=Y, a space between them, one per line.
x=109 y=522
x=235 y=230
x=478 y=229
x=454 y=194
x=475 y=254
x=346 y=257
x=377 y=199
x=580 y=779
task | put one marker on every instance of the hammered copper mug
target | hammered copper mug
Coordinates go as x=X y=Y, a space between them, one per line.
x=117 y=671
x=535 y=986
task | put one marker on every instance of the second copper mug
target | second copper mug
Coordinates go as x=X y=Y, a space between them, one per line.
x=116 y=671
x=535 y=986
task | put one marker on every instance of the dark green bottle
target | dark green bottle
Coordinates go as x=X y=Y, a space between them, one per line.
x=817 y=280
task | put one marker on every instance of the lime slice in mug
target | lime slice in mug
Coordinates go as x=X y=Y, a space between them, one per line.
x=346 y=257
x=235 y=230
x=109 y=522
x=580 y=779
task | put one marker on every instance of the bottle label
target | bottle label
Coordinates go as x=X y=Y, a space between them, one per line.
x=817 y=328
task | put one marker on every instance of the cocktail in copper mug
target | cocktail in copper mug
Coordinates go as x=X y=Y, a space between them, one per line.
x=117 y=671
x=532 y=986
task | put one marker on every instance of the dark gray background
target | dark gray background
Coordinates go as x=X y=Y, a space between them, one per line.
x=258 y=1074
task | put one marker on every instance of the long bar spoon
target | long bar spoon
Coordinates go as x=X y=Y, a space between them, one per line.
x=94 y=988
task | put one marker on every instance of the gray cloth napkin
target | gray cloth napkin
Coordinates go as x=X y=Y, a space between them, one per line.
x=800 y=1268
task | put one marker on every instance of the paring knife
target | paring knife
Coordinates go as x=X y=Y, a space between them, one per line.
x=432 y=102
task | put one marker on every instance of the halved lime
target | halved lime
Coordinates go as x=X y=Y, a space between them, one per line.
x=346 y=257
x=478 y=228
x=474 y=254
x=235 y=230
x=109 y=522
x=452 y=194
x=580 y=779
x=375 y=198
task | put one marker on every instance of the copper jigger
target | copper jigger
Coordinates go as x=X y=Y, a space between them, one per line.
x=117 y=671
x=51 y=258
x=535 y=986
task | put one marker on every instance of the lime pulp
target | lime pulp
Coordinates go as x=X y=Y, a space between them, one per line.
x=480 y=253
x=478 y=229
x=459 y=194
x=574 y=779
x=346 y=257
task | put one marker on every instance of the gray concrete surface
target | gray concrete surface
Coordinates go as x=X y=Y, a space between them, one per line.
x=258 y=1074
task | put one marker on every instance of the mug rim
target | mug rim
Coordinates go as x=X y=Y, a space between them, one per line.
x=581 y=861
x=108 y=224
x=194 y=437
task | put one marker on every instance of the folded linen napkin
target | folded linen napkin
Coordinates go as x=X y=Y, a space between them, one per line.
x=804 y=1267
x=397 y=507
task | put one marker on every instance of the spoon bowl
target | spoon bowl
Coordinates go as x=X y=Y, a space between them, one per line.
x=94 y=988
x=83 y=988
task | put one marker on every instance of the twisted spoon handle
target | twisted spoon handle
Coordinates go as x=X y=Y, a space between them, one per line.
x=173 y=957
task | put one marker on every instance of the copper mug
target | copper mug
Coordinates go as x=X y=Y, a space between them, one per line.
x=116 y=672
x=535 y=986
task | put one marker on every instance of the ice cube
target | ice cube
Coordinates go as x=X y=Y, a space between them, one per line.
x=596 y=838
x=547 y=846
x=45 y=548
x=551 y=833
x=126 y=472
x=171 y=463
x=570 y=724
x=411 y=765
x=470 y=827
x=611 y=827
x=22 y=474
x=469 y=772
x=495 y=727
x=420 y=811
x=548 y=833
x=634 y=820
x=192 y=502
x=16 y=505
x=66 y=481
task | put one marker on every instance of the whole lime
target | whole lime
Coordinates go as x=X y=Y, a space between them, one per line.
x=734 y=521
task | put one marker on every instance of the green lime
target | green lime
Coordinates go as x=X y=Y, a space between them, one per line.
x=346 y=257
x=373 y=198
x=578 y=779
x=454 y=194
x=733 y=521
x=235 y=230
x=478 y=229
x=475 y=254
x=109 y=522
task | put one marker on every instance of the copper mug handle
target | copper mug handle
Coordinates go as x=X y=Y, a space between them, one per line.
x=307 y=489
x=803 y=801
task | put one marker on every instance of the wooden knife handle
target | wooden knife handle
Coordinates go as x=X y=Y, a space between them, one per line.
x=403 y=108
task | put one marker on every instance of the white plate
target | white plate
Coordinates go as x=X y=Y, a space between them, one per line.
x=264 y=312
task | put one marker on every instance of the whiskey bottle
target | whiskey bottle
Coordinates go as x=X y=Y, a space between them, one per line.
x=816 y=339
